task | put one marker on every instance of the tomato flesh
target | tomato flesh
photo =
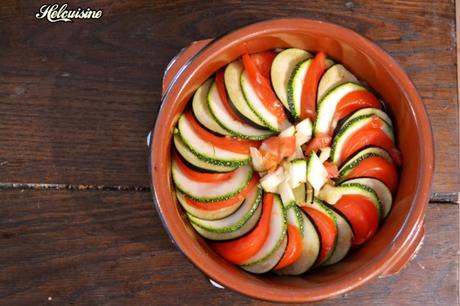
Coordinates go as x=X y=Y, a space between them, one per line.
x=264 y=89
x=240 y=250
x=224 y=203
x=227 y=143
x=287 y=146
x=354 y=101
x=220 y=83
x=370 y=134
x=362 y=214
x=310 y=86
x=332 y=170
x=201 y=177
x=275 y=148
x=318 y=142
x=263 y=62
x=293 y=249
x=327 y=230
x=379 y=168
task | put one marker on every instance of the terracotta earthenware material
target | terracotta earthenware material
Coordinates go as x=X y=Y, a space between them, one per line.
x=401 y=233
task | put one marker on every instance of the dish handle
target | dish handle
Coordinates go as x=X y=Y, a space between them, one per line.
x=180 y=60
x=408 y=255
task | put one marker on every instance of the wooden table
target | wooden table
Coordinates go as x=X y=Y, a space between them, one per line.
x=77 y=100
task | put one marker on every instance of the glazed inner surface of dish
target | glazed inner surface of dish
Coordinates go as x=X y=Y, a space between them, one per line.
x=377 y=75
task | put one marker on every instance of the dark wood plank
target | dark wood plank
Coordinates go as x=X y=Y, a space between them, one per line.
x=101 y=247
x=77 y=99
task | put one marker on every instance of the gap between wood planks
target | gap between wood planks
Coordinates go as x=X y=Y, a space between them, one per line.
x=435 y=197
x=77 y=187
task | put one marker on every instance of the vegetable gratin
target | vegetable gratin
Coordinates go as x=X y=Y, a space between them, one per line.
x=285 y=161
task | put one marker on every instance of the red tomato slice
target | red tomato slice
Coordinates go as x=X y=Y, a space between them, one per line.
x=354 y=101
x=264 y=89
x=319 y=141
x=220 y=83
x=371 y=134
x=225 y=203
x=379 y=168
x=270 y=144
x=240 y=250
x=327 y=230
x=310 y=86
x=332 y=170
x=263 y=62
x=275 y=148
x=201 y=176
x=294 y=248
x=226 y=143
x=362 y=214
x=287 y=146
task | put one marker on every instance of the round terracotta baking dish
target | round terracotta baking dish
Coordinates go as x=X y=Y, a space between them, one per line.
x=401 y=234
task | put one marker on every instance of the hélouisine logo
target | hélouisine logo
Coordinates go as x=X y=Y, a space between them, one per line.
x=56 y=12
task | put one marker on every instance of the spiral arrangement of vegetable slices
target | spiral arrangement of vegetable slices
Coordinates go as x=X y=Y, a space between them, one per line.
x=285 y=161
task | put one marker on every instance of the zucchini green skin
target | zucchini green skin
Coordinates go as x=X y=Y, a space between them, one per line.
x=290 y=92
x=201 y=110
x=282 y=68
x=311 y=248
x=206 y=214
x=346 y=170
x=322 y=104
x=235 y=226
x=264 y=120
x=244 y=229
x=222 y=197
x=243 y=136
x=311 y=245
x=270 y=260
x=373 y=111
x=382 y=191
x=218 y=162
x=319 y=205
x=336 y=75
x=279 y=241
x=251 y=132
x=345 y=129
x=232 y=160
x=298 y=216
x=344 y=240
x=236 y=97
x=291 y=88
x=367 y=192
x=354 y=161
x=190 y=157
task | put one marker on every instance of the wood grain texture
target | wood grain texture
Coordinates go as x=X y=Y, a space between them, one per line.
x=78 y=98
x=101 y=247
